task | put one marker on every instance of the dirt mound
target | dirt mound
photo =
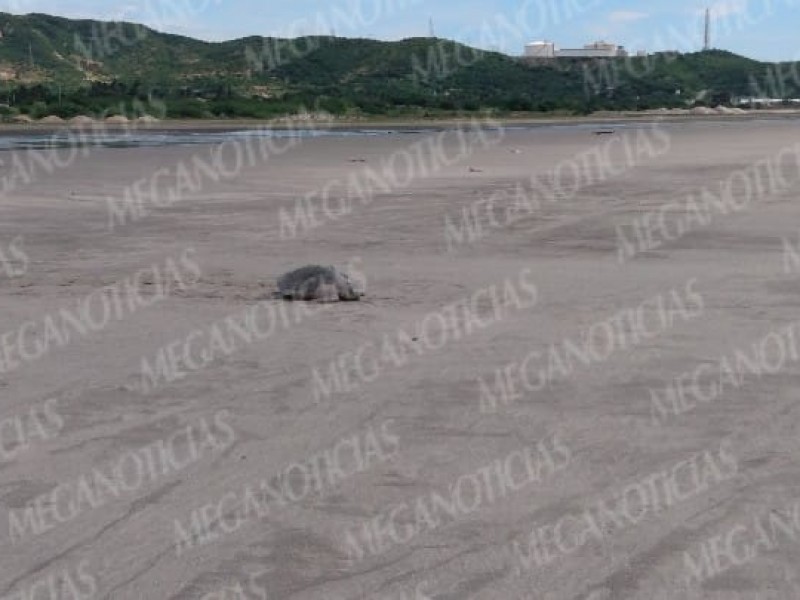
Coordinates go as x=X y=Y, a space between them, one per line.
x=81 y=120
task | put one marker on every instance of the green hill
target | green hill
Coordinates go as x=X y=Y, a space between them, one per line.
x=55 y=65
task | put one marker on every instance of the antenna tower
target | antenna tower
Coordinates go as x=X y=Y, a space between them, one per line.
x=707 y=39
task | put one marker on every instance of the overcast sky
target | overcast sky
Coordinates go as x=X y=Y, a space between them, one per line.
x=763 y=29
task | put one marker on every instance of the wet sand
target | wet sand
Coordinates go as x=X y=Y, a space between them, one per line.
x=125 y=546
x=396 y=123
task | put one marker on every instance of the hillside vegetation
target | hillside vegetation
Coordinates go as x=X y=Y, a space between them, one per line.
x=53 y=65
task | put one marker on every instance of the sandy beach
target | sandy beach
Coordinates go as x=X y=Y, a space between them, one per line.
x=573 y=374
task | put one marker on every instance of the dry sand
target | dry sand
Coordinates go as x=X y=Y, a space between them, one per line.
x=125 y=547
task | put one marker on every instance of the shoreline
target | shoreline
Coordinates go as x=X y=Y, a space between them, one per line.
x=399 y=124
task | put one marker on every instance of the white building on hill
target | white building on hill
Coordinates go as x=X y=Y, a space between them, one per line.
x=541 y=50
x=594 y=50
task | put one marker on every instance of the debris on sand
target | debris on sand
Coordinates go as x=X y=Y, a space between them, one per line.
x=315 y=282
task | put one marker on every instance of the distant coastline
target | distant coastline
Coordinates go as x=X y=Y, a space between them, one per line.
x=399 y=123
x=44 y=137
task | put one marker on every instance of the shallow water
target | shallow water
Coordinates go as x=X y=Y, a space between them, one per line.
x=133 y=138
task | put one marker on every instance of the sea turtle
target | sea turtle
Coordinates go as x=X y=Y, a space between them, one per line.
x=315 y=282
